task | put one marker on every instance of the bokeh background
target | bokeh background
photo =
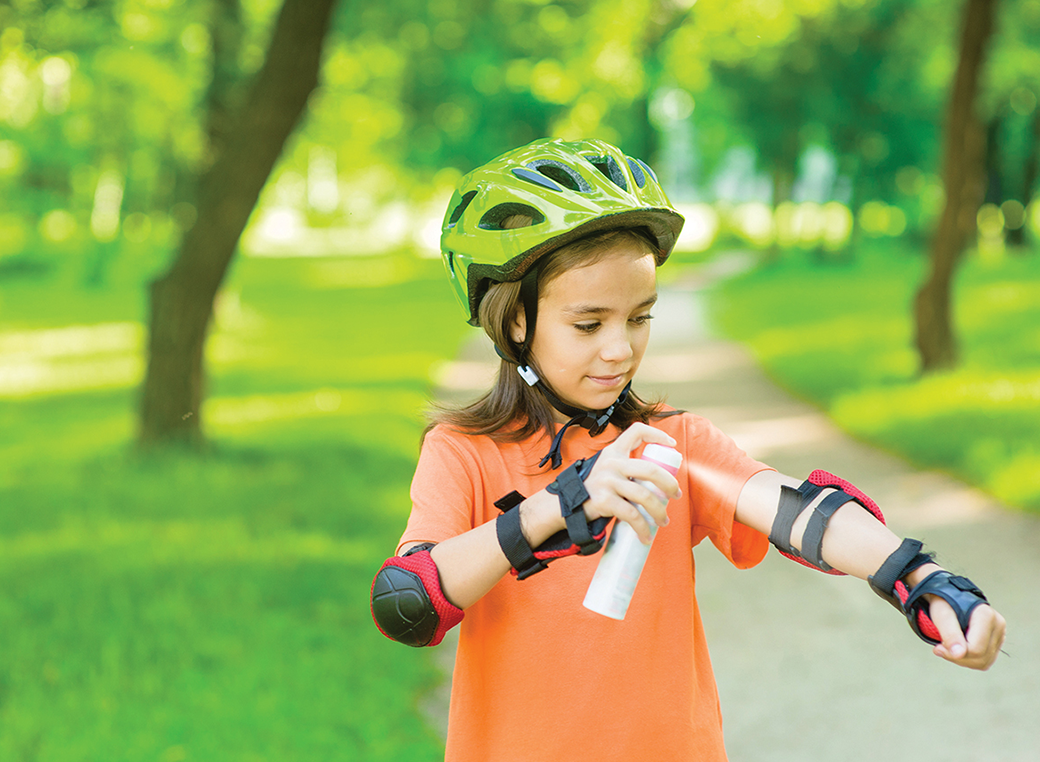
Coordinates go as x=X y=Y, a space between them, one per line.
x=222 y=308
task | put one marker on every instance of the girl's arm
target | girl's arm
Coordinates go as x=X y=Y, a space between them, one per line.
x=858 y=544
x=470 y=564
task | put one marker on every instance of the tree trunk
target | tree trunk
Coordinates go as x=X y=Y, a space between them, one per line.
x=182 y=299
x=963 y=181
x=1016 y=236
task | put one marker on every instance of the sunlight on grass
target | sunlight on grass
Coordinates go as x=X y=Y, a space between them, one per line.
x=215 y=606
x=228 y=412
x=76 y=358
x=151 y=543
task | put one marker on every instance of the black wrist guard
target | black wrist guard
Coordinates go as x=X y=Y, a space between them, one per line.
x=580 y=537
x=960 y=592
x=905 y=559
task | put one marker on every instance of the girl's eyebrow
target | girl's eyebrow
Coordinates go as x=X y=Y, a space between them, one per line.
x=589 y=309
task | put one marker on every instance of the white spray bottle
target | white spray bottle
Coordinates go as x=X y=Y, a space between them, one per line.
x=615 y=579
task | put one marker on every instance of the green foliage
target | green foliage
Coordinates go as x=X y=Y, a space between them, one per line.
x=216 y=607
x=841 y=337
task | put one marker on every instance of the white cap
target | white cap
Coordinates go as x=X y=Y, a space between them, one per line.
x=666 y=456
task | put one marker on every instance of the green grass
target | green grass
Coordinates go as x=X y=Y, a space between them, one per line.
x=179 y=607
x=841 y=336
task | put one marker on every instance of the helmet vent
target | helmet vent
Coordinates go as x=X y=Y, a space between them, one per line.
x=536 y=178
x=456 y=214
x=562 y=175
x=494 y=218
x=646 y=168
x=610 y=169
x=637 y=171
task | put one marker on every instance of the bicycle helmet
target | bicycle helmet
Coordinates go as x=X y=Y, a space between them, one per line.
x=568 y=189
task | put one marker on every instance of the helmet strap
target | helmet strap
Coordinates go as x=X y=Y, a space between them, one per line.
x=529 y=297
x=594 y=420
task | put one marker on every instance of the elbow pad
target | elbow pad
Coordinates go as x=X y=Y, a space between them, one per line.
x=408 y=604
x=794 y=501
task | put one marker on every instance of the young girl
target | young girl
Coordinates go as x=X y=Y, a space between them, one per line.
x=553 y=249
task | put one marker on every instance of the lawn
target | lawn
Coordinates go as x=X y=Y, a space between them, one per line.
x=840 y=335
x=179 y=607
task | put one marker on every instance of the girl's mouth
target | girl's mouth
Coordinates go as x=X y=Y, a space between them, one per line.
x=607 y=380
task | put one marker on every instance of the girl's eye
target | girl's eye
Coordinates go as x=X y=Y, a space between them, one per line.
x=642 y=319
x=586 y=327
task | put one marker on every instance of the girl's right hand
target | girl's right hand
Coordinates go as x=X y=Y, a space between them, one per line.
x=612 y=491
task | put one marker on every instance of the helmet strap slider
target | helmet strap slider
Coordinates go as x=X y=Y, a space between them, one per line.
x=528 y=374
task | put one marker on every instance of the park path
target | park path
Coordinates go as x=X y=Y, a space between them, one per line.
x=811 y=666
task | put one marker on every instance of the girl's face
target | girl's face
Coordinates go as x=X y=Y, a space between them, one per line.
x=593 y=326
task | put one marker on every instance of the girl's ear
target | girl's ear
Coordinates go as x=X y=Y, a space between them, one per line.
x=518 y=326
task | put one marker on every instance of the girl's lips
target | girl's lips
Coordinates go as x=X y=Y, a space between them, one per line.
x=607 y=380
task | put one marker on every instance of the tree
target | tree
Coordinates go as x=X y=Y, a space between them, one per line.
x=963 y=182
x=181 y=300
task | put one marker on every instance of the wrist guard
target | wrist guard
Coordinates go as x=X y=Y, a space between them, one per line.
x=960 y=592
x=581 y=537
x=408 y=604
x=794 y=501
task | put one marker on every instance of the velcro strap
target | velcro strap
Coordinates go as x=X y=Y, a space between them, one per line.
x=570 y=487
x=812 y=538
x=572 y=493
x=515 y=545
x=788 y=510
x=794 y=501
x=961 y=593
x=580 y=536
x=512 y=500
x=904 y=559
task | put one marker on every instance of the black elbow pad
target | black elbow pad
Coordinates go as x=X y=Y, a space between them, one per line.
x=407 y=602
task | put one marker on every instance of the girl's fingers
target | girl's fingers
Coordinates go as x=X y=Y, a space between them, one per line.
x=638 y=434
x=977 y=650
x=953 y=646
x=634 y=468
x=641 y=496
x=625 y=511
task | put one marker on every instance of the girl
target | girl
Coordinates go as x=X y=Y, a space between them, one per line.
x=553 y=249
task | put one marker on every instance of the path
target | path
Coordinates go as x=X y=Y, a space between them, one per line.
x=814 y=667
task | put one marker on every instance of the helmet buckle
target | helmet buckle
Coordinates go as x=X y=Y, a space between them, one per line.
x=528 y=374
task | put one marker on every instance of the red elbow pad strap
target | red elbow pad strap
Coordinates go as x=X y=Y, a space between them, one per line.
x=794 y=501
x=408 y=604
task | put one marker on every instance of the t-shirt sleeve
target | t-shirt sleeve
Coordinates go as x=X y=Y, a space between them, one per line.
x=717 y=471
x=443 y=490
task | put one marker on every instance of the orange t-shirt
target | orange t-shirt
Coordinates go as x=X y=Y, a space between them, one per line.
x=538 y=676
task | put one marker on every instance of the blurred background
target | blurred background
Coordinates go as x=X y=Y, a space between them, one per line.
x=222 y=308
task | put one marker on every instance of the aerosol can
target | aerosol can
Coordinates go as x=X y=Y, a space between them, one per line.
x=624 y=556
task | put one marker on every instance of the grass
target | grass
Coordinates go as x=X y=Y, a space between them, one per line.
x=841 y=336
x=179 y=607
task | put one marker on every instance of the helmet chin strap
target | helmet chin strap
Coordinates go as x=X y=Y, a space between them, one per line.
x=594 y=420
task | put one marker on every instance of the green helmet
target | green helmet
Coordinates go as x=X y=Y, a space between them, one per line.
x=568 y=189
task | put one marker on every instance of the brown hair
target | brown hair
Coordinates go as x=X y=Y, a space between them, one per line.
x=511 y=410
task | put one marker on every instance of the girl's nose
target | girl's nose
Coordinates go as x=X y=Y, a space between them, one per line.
x=617 y=348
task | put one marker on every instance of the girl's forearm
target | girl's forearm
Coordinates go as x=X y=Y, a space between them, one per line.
x=855 y=542
x=472 y=563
